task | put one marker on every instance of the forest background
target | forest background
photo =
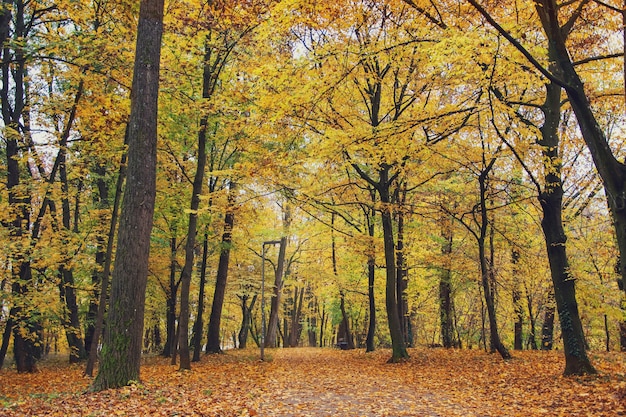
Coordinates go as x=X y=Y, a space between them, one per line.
x=407 y=171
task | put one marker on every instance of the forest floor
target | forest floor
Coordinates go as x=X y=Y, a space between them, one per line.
x=329 y=382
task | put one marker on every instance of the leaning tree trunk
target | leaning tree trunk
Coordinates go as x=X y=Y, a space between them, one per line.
x=485 y=268
x=576 y=360
x=106 y=270
x=213 y=342
x=121 y=351
x=272 y=324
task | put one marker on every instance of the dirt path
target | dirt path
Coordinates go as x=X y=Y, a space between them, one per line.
x=313 y=383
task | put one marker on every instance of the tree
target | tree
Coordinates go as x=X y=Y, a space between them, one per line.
x=121 y=351
x=557 y=23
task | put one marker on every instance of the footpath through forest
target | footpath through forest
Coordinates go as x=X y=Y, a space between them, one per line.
x=328 y=382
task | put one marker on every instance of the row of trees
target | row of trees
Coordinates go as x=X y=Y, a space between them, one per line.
x=426 y=154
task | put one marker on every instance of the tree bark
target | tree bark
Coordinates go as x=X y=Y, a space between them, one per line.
x=446 y=302
x=272 y=324
x=398 y=346
x=485 y=266
x=246 y=320
x=371 y=275
x=121 y=352
x=551 y=200
x=518 y=326
x=213 y=342
x=171 y=296
x=108 y=259
x=199 y=323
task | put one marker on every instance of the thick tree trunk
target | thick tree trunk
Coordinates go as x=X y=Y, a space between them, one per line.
x=576 y=360
x=612 y=171
x=121 y=352
x=213 y=342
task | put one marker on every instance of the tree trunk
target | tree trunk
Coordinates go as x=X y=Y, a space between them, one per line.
x=199 y=323
x=576 y=360
x=398 y=346
x=486 y=266
x=246 y=320
x=272 y=325
x=446 y=302
x=346 y=334
x=171 y=296
x=371 y=274
x=213 y=342
x=108 y=259
x=402 y=280
x=296 y=326
x=102 y=201
x=192 y=230
x=121 y=352
x=518 y=341
x=6 y=337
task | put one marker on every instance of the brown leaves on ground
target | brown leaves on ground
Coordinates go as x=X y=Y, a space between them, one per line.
x=325 y=382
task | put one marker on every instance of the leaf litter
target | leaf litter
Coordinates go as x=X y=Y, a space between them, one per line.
x=326 y=382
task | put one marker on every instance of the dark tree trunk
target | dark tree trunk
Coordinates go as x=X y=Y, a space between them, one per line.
x=199 y=323
x=518 y=340
x=246 y=320
x=532 y=332
x=576 y=360
x=446 y=302
x=213 y=342
x=345 y=333
x=402 y=279
x=296 y=327
x=102 y=201
x=67 y=292
x=121 y=352
x=6 y=337
x=486 y=266
x=26 y=326
x=272 y=325
x=398 y=346
x=547 y=327
x=371 y=275
x=171 y=295
x=190 y=246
